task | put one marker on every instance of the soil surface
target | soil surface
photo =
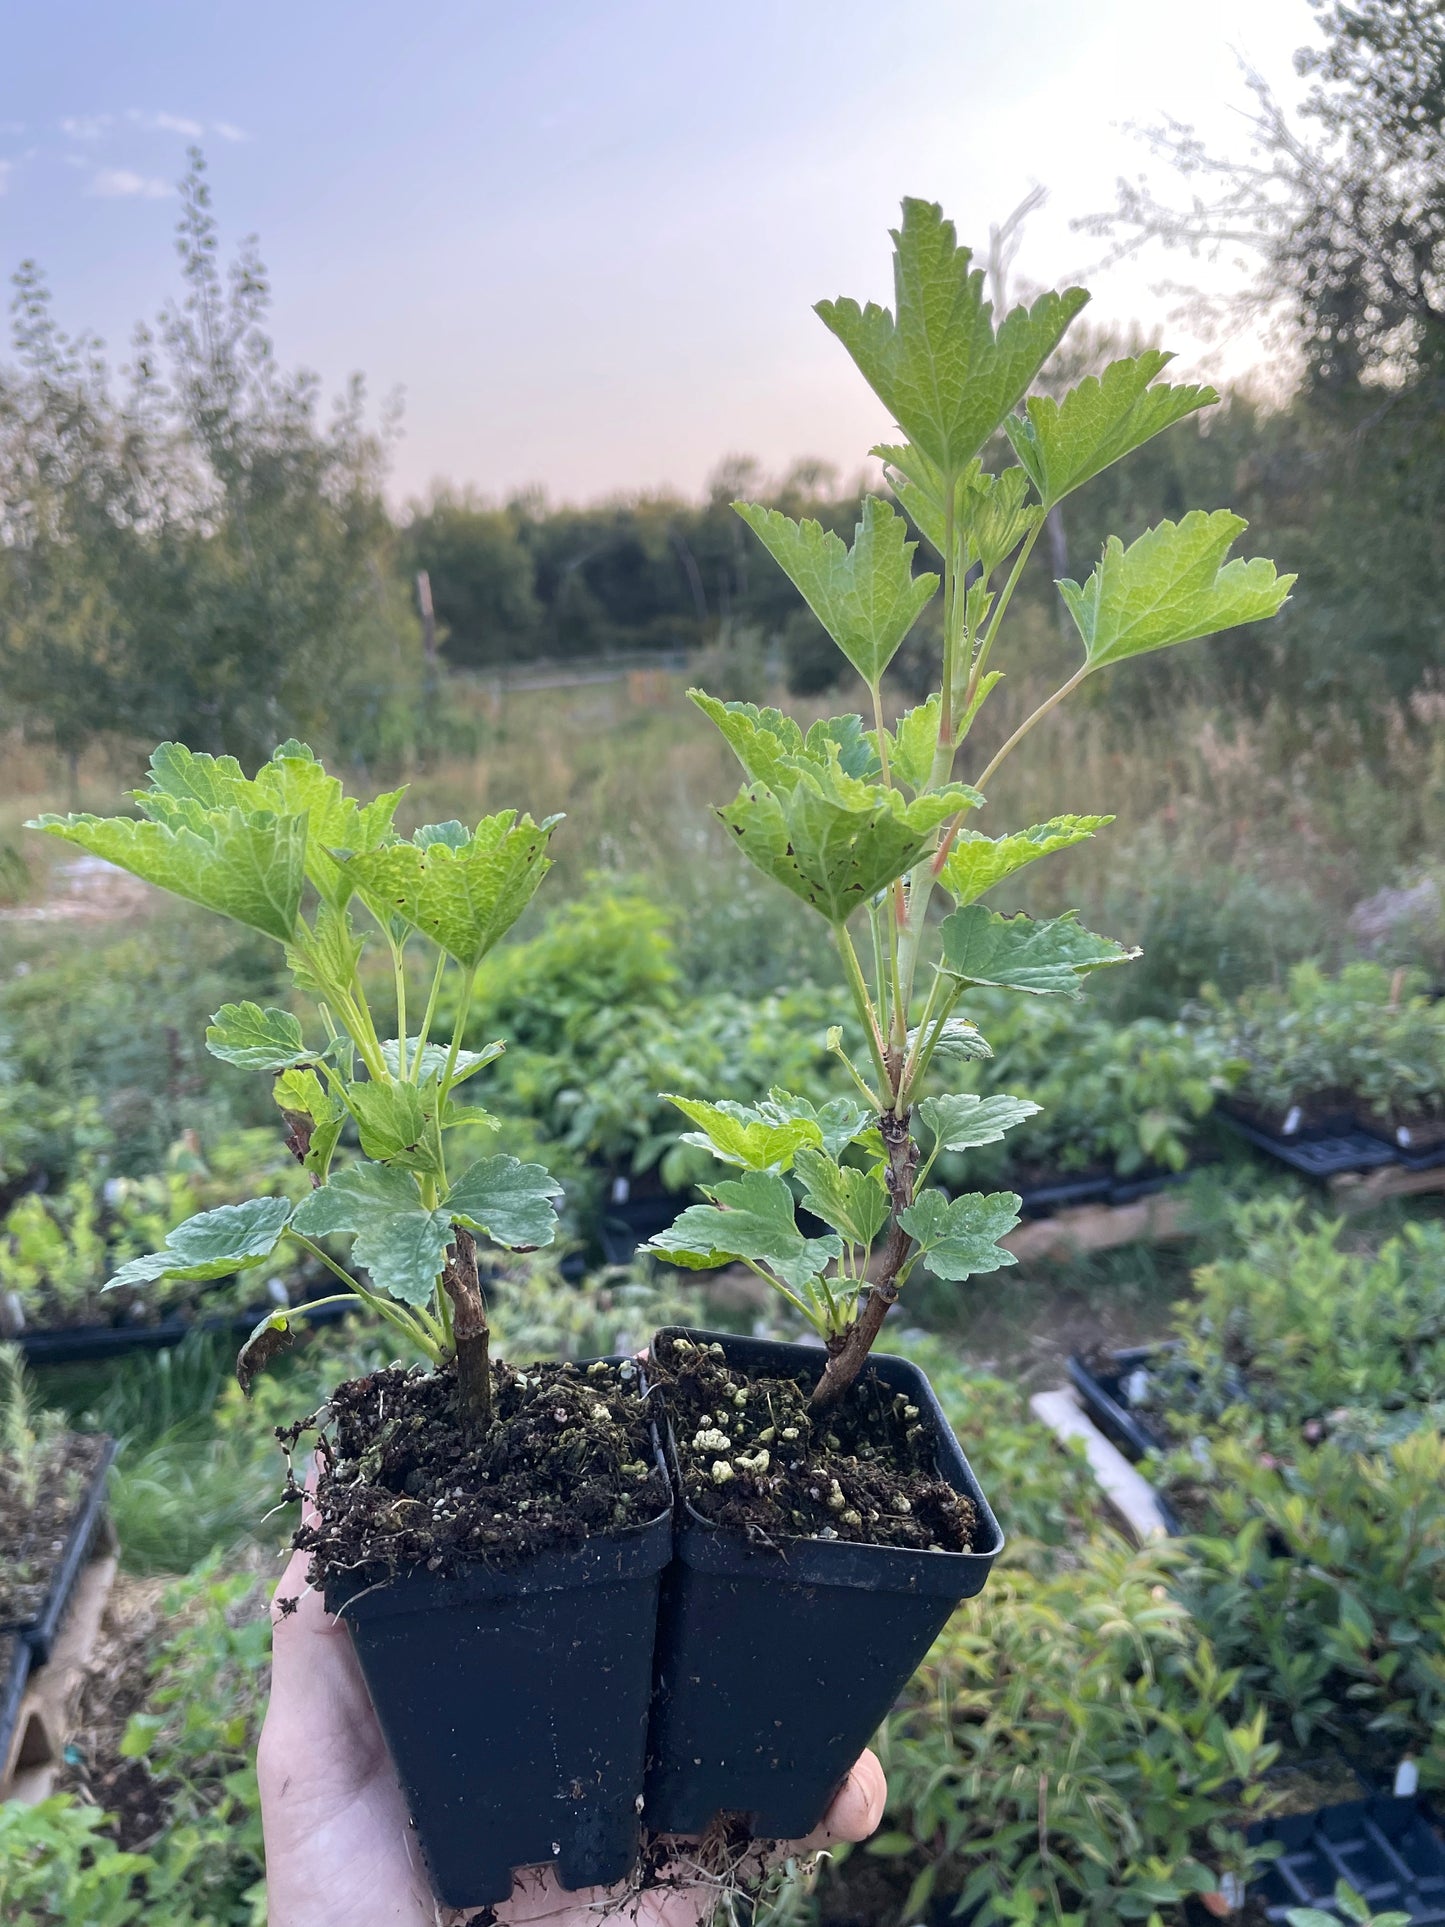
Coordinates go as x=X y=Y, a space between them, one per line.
x=864 y=1471
x=401 y=1482
x=32 y=1536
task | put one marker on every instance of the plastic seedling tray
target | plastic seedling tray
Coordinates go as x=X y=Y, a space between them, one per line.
x=39 y=1634
x=1388 y=1850
x=1130 y=1190
x=79 y=1344
x=1106 y=1395
x=1041 y=1199
x=1319 y=1157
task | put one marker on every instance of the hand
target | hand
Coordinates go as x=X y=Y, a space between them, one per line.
x=340 y=1851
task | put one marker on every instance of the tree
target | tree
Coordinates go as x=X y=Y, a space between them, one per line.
x=207 y=559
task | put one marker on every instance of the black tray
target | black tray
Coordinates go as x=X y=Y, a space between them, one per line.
x=625 y=1225
x=81 y=1344
x=1042 y=1199
x=1429 y=1158
x=1319 y=1157
x=14 y=1672
x=1102 y=1390
x=1390 y=1851
x=1130 y=1190
x=39 y=1634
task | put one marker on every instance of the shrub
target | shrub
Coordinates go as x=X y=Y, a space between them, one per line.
x=1296 y=1336
x=1068 y=1752
x=1367 y=1038
x=1322 y=1584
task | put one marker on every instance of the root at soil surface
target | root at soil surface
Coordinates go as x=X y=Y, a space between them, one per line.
x=402 y=1483
x=755 y=1459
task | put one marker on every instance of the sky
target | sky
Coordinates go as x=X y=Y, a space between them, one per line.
x=582 y=241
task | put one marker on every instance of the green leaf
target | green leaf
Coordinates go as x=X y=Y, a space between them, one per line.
x=912 y=744
x=839 y=1120
x=212 y=1245
x=463 y=898
x=976 y=863
x=249 y=867
x=740 y=1136
x=1046 y=959
x=866 y=597
x=961 y=1122
x=291 y=783
x=329 y=950
x=854 y=1202
x=937 y=366
x=512 y=1203
x=397 y=1240
x=454 y=834
x=434 y=1060
x=991 y=513
x=256 y=1039
x=389 y=1119
x=752 y=1218
x=301 y=1094
x=1064 y=443
x=960 y=1240
x=836 y=842
x=1172 y=585
x=958 y=1038
x=773 y=749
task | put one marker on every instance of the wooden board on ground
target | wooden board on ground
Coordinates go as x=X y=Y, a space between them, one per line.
x=1099 y=1227
x=1359 y=1190
x=1126 y=1489
x=53 y=1695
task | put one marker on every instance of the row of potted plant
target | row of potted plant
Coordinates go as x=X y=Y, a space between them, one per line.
x=1361 y=1049
x=59 y=1249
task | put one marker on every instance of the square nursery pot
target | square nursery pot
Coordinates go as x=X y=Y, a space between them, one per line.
x=514 y=1704
x=776 y=1665
x=87 y=1522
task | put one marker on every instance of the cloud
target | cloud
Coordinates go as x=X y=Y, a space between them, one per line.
x=87 y=127
x=228 y=132
x=166 y=123
x=119 y=183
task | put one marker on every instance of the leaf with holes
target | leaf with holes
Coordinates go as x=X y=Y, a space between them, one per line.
x=837 y=843
x=463 y=897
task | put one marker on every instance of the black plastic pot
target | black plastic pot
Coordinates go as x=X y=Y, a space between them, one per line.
x=14 y=1672
x=775 y=1665
x=1387 y=1849
x=39 y=1633
x=79 y=1344
x=514 y=1704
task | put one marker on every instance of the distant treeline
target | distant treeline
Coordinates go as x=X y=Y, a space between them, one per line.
x=209 y=555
